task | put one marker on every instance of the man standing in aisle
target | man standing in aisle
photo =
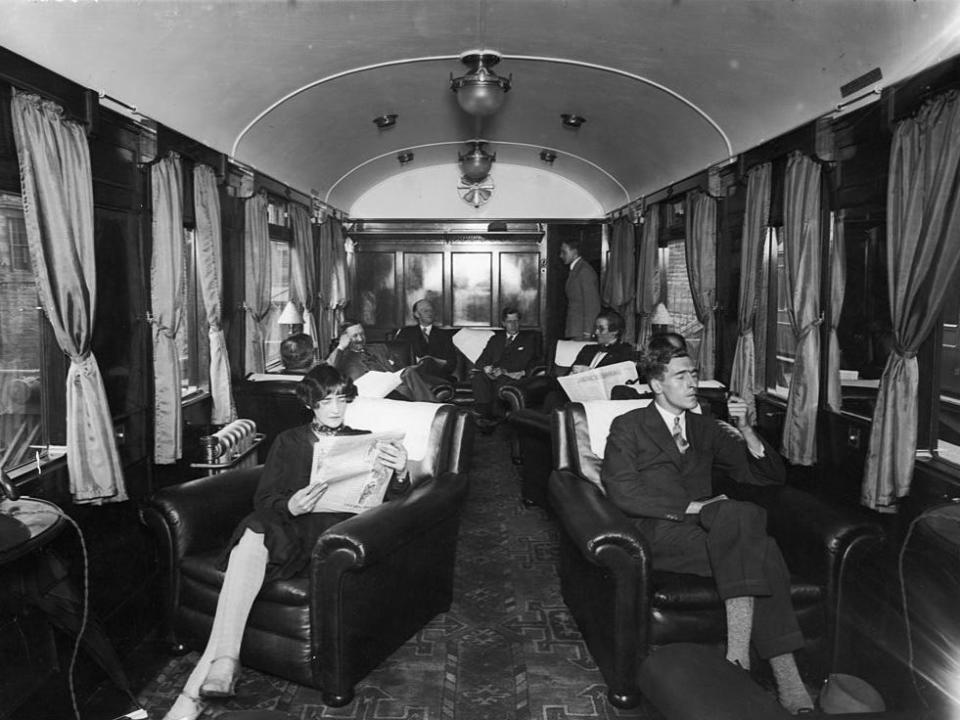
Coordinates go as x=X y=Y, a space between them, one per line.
x=583 y=292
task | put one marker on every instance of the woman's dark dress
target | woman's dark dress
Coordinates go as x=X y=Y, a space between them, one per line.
x=290 y=539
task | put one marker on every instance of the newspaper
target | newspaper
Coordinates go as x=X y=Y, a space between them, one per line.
x=596 y=384
x=376 y=384
x=347 y=465
x=472 y=342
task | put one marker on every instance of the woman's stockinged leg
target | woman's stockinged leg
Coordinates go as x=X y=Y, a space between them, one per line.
x=241 y=584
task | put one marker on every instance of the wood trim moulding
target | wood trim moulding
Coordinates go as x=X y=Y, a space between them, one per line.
x=699 y=181
x=172 y=141
x=78 y=102
x=277 y=188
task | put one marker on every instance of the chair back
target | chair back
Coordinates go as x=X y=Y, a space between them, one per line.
x=580 y=433
x=433 y=432
x=273 y=405
x=565 y=353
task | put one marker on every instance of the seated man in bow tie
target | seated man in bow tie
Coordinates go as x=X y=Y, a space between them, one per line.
x=507 y=358
x=354 y=359
x=658 y=469
x=433 y=349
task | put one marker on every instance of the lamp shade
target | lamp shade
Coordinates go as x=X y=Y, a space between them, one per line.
x=661 y=316
x=291 y=314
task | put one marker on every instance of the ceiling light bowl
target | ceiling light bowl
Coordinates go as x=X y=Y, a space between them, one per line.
x=480 y=91
x=476 y=163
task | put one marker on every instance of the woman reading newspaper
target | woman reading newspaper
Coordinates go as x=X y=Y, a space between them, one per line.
x=275 y=540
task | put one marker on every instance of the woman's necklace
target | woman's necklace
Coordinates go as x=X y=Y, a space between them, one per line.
x=321 y=429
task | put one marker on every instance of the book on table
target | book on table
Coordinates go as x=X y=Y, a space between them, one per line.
x=348 y=466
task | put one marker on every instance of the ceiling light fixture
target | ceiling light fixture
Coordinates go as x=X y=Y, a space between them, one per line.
x=385 y=121
x=405 y=157
x=572 y=121
x=480 y=91
x=476 y=163
x=548 y=156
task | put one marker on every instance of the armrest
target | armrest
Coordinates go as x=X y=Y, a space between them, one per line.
x=201 y=514
x=593 y=523
x=375 y=534
x=814 y=536
x=526 y=393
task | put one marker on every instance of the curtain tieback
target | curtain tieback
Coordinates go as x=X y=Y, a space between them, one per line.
x=85 y=365
x=905 y=354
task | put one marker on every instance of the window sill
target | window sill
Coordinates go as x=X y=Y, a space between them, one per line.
x=192 y=398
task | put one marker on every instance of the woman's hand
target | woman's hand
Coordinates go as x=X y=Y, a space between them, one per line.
x=392 y=455
x=303 y=500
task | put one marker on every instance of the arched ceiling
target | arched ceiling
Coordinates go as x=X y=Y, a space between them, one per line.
x=668 y=87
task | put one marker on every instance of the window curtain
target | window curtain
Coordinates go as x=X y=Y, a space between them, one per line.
x=166 y=299
x=838 y=288
x=648 y=284
x=618 y=284
x=57 y=195
x=303 y=275
x=334 y=290
x=923 y=251
x=206 y=202
x=743 y=374
x=256 y=287
x=701 y=248
x=801 y=249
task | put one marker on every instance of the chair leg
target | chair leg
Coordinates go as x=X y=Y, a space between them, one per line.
x=331 y=700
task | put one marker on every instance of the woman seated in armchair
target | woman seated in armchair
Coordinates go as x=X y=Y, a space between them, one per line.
x=275 y=540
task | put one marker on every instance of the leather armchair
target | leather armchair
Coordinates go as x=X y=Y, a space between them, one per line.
x=373 y=581
x=623 y=606
x=273 y=405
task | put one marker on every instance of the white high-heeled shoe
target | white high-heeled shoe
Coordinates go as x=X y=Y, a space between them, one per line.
x=221 y=680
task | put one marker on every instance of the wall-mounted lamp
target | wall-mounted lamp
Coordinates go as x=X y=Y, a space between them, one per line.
x=548 y=156
x=385 y=121
x=572 y=121
x=405 y=157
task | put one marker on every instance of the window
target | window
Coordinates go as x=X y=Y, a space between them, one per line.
x=279 y=295
x=777 y=333
x=948 y=436
x=193 y=343
x=22 y=428
x=679 y=299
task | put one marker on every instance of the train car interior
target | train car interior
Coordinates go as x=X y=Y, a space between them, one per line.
x=325 y=324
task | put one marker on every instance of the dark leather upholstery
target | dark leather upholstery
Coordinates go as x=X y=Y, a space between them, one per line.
x=373 y=580
x=623 y=607
x=272 y=405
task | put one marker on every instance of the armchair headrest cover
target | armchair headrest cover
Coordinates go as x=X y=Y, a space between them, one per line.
x=600 y=413
x=567 y=351
x=378 y=414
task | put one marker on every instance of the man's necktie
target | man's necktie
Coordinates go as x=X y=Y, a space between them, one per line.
x=678 y=437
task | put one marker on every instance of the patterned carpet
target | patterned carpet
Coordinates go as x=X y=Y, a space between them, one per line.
x=507 y=650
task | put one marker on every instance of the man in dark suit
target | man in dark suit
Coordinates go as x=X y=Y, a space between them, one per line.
x=583 y=292
x=354 y=359
x=608 y=350
x=657 y=469
x=506 y=359
x=433 y=349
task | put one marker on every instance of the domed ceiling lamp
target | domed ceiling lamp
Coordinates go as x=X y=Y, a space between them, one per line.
x=480 y=92
x=476 y=163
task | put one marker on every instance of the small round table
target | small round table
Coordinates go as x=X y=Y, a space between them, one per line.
x=25 y=525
